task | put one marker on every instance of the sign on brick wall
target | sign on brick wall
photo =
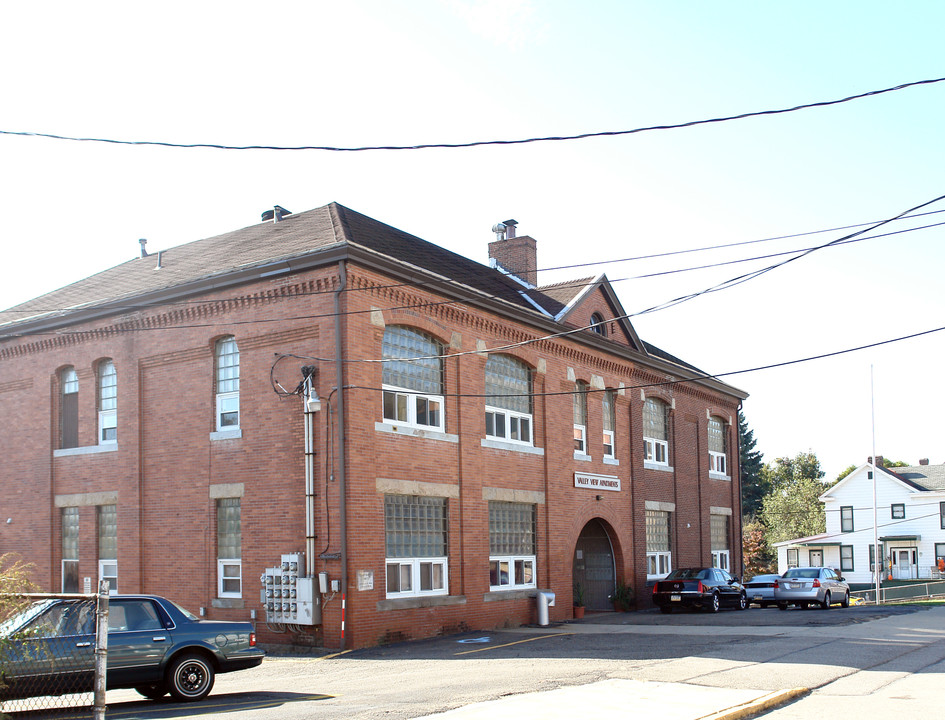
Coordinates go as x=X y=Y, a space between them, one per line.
x=597 y=482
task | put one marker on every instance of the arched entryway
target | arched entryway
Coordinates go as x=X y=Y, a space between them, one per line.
x=593 y=566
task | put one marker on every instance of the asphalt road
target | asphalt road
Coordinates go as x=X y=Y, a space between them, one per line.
x=844 y=656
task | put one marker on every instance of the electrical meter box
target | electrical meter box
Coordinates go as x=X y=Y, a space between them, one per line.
x=288 y=596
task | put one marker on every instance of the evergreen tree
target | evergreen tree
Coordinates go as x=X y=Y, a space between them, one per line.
x=754 y=485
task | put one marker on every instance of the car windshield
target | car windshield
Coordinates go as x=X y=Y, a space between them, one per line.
x=688 y=574
x=11 y=625
x=802 y=573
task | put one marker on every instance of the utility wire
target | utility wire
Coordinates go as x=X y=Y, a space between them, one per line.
x=476 y=143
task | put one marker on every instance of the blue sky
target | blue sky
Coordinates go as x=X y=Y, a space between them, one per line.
x=364 y=73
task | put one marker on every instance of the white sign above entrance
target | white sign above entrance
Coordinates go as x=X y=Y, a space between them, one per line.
x=597 y=482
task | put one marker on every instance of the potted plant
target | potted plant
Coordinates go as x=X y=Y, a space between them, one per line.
x=578 y=601
x=622 y=597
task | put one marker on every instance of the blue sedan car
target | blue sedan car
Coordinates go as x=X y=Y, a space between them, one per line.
x=154 y=646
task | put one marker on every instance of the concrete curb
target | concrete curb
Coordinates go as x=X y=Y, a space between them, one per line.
x=764 y=703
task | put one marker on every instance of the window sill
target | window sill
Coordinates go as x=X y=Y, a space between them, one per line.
x=517 y=594
x=582 y=457
x=718 y=476
x=226 y=435
x=514 y=447
x=227 y=603
x=87 y=450
x=425 y=601
x=417 y=432
x=611 y=461
x=656 y=466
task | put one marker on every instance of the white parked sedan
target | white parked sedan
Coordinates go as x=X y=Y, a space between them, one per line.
x=811 y=586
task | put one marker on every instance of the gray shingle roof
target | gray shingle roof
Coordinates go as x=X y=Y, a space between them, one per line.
x=924 y=477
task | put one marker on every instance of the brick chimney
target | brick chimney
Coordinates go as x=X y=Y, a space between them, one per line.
x=517 y=255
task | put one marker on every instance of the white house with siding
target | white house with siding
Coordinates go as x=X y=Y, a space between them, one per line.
x=910 y=519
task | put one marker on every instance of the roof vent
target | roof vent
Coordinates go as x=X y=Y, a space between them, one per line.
x=276 y=214
x=143 y=242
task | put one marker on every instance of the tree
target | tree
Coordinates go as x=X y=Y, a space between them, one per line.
x=757 y=554
x=792 y=507
x=754 y=486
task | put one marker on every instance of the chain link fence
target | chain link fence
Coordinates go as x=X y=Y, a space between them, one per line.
x=49 y=654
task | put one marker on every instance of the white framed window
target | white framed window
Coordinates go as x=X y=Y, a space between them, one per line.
x=718 y=462
x=70 y=549
x=68 y=408
x=609 y=415
x=107 y=403
x=655 y=432
x=579 y=402
x=108 y=546
x=508 y=400
x=659 y=556
x=229 y=548
x=416 y=545
x=512 y=529
x=718 y=531
x=228 y=384
x=412 y=377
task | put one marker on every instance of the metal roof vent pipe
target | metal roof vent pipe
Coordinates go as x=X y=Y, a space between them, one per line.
x=276 y=214
x=144 y=251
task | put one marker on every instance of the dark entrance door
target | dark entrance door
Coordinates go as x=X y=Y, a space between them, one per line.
x=594 y=566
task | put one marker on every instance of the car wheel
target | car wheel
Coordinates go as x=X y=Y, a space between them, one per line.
x=714 y=606
x=826 y=603
x=190 y=677
x=782 y=606
x=742 y=602
x=846 y=600
x=666 y=609
x=152 y=692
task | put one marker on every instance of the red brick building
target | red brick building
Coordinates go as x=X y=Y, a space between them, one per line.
x=439 y=438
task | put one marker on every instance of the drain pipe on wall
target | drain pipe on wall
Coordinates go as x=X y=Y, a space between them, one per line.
x=342 y=454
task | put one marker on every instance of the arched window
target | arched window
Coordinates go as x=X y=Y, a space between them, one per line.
x=508 y=399
x=227 y=356
x=412 y=378
x=718 y=462
x=597 y=324
x=107 y=403
x=655 y=432
x=609 y=420
x=579 y=401
x=68 y=408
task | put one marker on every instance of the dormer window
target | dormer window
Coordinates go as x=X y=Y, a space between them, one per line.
x=597 y=324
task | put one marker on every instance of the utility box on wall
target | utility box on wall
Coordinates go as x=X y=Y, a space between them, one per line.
x=289 y=597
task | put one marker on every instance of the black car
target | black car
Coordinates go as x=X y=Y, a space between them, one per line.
x=703 y=588
x=154 y=646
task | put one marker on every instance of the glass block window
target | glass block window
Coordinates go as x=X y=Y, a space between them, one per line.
x=416 y=545
x=719 y=532
x=511 y=528
x=107 y=532
x=70 y=549
x=415 y=526
x=716 y=435
x=229 y=547
x=511 y=545
x=412 y=360
x=579 y=403
x=657 y=531
x=508 y=384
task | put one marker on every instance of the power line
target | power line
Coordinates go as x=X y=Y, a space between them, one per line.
x=475 y=143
